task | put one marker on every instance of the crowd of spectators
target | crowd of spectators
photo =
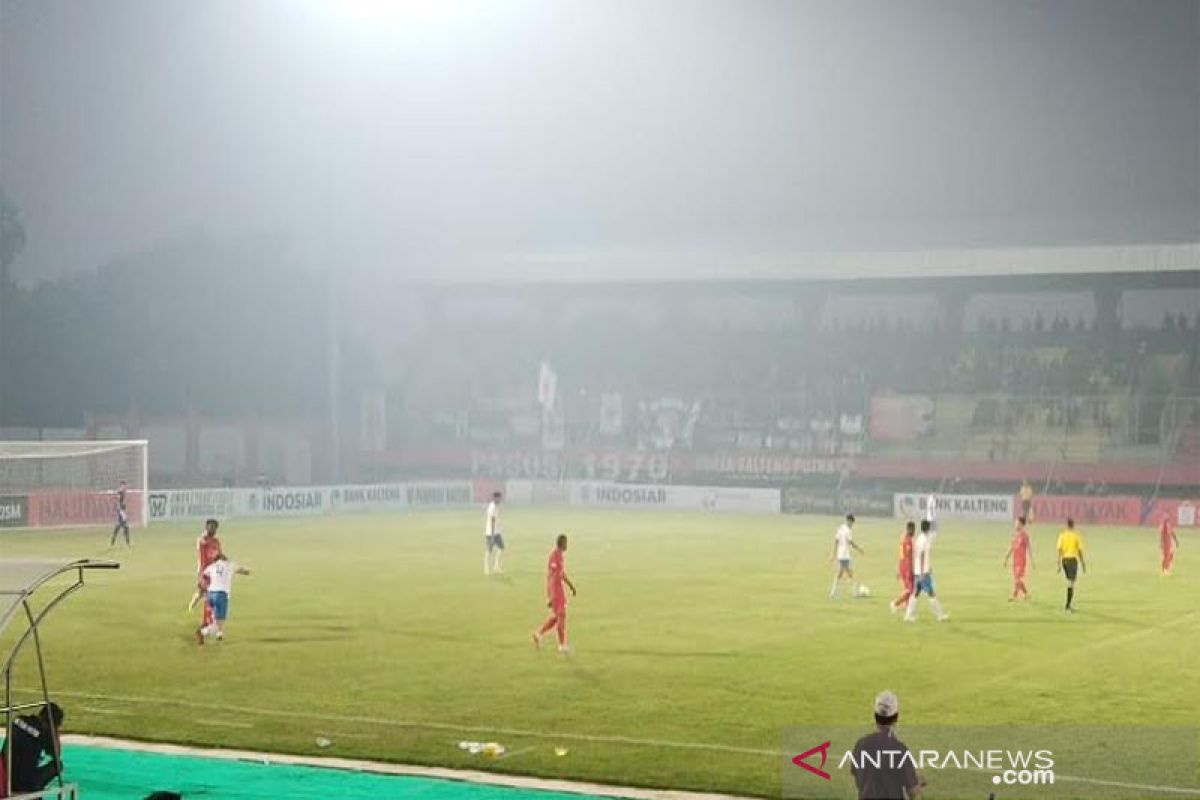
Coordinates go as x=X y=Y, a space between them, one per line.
x=805 y=389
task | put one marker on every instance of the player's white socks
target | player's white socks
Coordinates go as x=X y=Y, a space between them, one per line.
x=936 y=605
x=833 y=589
x=497 y=559
x=487 y=563
x=910 y=613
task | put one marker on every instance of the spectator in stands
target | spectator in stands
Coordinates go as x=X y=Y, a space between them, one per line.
x=35 y=737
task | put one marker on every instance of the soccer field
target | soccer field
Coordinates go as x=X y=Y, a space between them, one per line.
x=697 y=639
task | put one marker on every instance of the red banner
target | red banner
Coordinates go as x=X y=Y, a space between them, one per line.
x=630 y=465
x=1116 y=510
x=1184 y=513
x=1115 y=473
x=757 y=465
x=1086 y=509
x=64 y=509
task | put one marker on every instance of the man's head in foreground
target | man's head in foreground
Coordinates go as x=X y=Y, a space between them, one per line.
x=887 y=709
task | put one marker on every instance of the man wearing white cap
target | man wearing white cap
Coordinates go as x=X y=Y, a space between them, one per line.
x=895 y=777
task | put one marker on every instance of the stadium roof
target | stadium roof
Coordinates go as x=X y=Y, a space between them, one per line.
x=631 y=267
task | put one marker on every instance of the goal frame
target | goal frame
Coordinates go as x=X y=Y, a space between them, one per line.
x=142 y=493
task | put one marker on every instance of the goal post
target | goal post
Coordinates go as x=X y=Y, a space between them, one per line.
x=64 y=484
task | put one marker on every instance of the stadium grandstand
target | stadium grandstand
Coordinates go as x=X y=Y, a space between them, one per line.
x=816 y=384
x=1072 y=367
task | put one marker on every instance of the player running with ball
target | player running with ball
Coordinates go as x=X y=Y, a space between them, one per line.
x=843 y=542
x=556 y=595
x=217 y=579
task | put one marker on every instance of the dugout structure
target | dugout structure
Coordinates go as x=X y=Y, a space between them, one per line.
x=30 y=589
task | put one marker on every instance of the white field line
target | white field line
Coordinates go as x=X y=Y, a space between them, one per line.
x=383 y=768
x=106 y=711
x=443 y=726
x=605 y=739
x=1141 y=787
x=221 y=723
x=1100 y=644
x=333 y=736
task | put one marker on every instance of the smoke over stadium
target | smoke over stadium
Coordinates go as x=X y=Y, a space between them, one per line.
x=579 y=396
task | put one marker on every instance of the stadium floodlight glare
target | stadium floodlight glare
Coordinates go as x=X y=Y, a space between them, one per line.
x=397 y=12
x=49 y=484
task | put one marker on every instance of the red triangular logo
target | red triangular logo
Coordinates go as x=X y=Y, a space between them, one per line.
x=823 y=749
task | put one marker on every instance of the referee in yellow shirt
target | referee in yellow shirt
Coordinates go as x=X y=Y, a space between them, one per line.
x=1070 y=558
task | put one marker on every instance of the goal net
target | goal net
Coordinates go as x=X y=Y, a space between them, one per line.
x=59 y=484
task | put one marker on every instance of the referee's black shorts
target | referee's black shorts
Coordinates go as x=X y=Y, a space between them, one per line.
x=1070 y=568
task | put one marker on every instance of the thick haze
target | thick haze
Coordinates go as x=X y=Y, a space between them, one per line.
x=436 y=138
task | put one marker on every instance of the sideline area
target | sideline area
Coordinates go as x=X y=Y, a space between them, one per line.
x=116 y=769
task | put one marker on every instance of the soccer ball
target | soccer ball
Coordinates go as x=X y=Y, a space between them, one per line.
x=863 y=591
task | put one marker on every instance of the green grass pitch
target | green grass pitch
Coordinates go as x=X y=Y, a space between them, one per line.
x=697 y=639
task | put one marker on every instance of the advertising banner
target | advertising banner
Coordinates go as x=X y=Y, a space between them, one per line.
x=759 y=466
x=517 y=464
x=193 y=504
x=995 y=507
x=381 y=497
x=537 y=493
x=14 y=511
x=1181 y=512
x=1087 y=509
x=651 y=466
x=58 y=509
x=815 y=501
x=625 y=465
x=697 y=498
x=439 y=495
x=298 y=501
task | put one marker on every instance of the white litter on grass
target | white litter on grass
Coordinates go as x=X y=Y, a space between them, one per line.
x=322 y=742
x=489 y=749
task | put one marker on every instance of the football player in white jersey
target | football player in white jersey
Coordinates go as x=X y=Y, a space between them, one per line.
x=922 y=567
x=843 y=543
x=218 y=581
